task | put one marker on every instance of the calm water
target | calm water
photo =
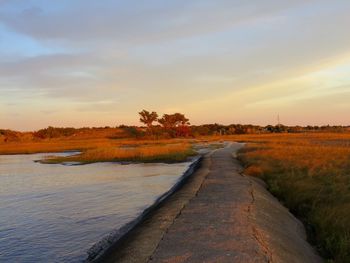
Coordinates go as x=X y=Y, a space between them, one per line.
x=55 y=213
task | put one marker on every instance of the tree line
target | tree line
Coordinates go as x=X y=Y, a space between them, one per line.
x=167 y=126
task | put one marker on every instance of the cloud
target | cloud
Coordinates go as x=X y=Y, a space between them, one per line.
x=135 y=21
x=83 y=59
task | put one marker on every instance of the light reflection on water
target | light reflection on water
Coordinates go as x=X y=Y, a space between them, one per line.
x=55 y=213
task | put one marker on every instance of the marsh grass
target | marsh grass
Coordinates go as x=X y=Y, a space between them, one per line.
x=177 y=152
x=310 y=174
x=89 y=139
x=53 y=145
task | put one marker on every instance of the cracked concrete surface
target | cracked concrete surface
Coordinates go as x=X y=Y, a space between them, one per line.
x=219 y=215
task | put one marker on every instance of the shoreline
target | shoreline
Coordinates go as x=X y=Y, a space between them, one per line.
x=77 y=163
x=102 y=248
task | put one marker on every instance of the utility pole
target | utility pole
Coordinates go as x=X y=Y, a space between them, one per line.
x=278 y=120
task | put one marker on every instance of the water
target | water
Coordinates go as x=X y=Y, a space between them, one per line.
x=55 y=213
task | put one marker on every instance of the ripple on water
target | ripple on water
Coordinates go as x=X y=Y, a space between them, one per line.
x=55 y=213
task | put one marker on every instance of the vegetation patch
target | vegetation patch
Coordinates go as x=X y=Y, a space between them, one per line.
x=310 y=174
x=168 y=153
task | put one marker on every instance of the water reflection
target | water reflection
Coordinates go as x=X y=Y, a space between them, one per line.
x=56 y=212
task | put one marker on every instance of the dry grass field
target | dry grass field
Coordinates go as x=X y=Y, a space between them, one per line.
x=310 y=174
x=91 y=139
x=175 y=152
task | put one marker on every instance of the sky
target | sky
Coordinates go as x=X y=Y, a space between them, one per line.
x=74 y=63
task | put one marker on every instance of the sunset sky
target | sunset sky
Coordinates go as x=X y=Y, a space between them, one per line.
x=97 y=63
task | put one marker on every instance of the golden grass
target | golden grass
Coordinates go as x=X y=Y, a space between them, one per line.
x=144 y=153
x=310 y=173
x=79 y=143
x=52 y=145
x=102 y=145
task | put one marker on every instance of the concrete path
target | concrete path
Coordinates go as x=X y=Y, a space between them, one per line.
x=220 y=215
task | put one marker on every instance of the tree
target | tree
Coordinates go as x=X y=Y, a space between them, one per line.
x=148 y=118
x=167 y=121
x=175 y=124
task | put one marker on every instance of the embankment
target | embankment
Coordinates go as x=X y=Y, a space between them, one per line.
x=219 y=215
x=103 y=248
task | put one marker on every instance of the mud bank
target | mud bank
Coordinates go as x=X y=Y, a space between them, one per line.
x=219 y=215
